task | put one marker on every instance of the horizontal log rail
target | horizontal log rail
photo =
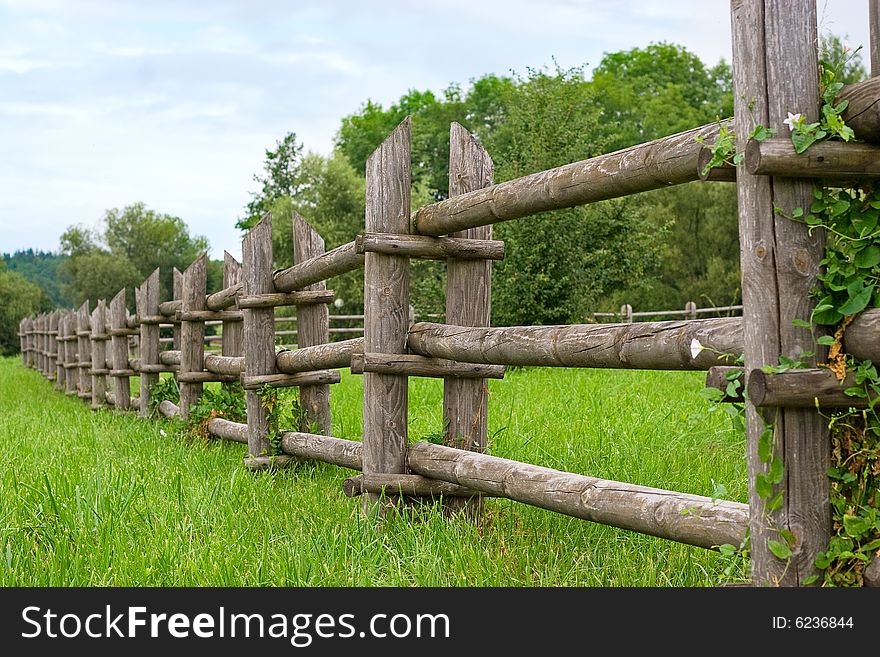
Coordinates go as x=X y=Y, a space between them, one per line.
x=299 y=298
x=806 y=388
x=340 y=260
x=403 y=484
x=685 y=518
x=430 y=248
x=332 y=355
x=318 y=377
x=414 y=365
x=829 y=160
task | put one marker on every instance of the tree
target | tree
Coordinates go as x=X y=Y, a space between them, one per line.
x=134 y=241
x=281 y=177
x=19 y=298
x=40 y=268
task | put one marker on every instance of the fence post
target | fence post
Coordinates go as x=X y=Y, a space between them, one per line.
x=55 y=372
x=468 y=303
x=690 y=310
x=192 y=333
x=259 y=328
x=774 y=48
x=233 y=332
x=99 y=355
x=626 y=313
x=84 y=350
x=386 y=308
x=119 y=351
x=313 y=328
x=148 y=315
x=176 y=295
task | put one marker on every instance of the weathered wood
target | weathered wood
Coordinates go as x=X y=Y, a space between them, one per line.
x=338 y=451
x=720 y=173
x=430 y=248
x=169 y=408
x=313 y=328
x=829 y=160
x=259 y=328
x=177 y=292
x=645 y=345
x=235 y=431
x=202 y=316
x=204 y=377
x=121 y=389
x=192 y=333
x=274 y=462
x=668 y=161
x=224 y=364
x=226 y=298
x=403 y=484
x=691 y=519
x=415 y=365
x=99 y=355
x=318 y=377
x=148 y=306
x=22 y=341
x=170 y=357
x=386 y=308
x=718 y=377
x=54 y=321
x=169 y=308
x=806 y=388
x=84 y=350
x=468 y=303
x=298 y=298
x=863 y=112
x=774 y=46
x=128 y=403
x=340 y=260
x=318 y=357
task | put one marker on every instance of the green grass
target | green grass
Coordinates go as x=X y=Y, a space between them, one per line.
x=105 y=499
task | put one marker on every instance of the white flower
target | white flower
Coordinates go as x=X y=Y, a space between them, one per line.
x=793 y=120
x=162 y=432
x=696 y=348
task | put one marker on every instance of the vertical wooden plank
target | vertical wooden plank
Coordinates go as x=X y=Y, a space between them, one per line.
x=874 y=36
x=84 y=349
x=148 y=306
x=192 y=334
x=119 y=351
x=52 y=334
x=313 y=328
x=468 y=303
x=22 y=341
x=233 y=332
x=774 y=48
x=61 y=351
x=259 y=327
x=386 y=307
x=72 y=357
x=99 y=355
x=177 y=293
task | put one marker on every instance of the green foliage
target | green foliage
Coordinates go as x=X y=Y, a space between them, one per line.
x=281 y=177
x=284 y=413
x=133 y=242
x=40 y=268
x=19 y=298
x=165 y=388
x=845 y=61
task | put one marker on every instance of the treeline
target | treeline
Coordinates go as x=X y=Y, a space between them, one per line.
x=654 y=250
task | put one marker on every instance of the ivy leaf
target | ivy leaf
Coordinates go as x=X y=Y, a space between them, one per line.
x=827 y=340
x=776 y=472
x=781 y=550
x=855 y=526
x=858 y=301
x=765 y=444
x=868 y=257
x=762 y=486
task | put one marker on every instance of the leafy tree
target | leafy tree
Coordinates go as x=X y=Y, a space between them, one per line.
x=281 y=177
x=39 y=267
x=19 y=298
x=133 y=242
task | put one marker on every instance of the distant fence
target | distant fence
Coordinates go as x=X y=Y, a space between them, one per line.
x=87 y=353
x=690 y=311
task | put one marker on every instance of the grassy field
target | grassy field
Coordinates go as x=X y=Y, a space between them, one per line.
x=105 y=499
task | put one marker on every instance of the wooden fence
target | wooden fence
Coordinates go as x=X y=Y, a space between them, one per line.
x=86 y=351
x=690 y=311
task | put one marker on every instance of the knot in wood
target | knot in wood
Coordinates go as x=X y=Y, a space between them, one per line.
x=801 y=261
x=760 y=251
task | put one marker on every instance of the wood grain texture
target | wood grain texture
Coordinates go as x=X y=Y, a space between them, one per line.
x=99 y=355
x=319 y=357
x=297 y=298
x=192 y=333
x=318 y=377
x=148 y=305
x=874 y=36
x=259 y=328
x=234 y=431
x=863 y=112
x=691 y=519
x=121 y=389
x=339 y=451
x=313 y=328
x=774 y=46
x=415 y=365
x=659 y=163
x=338 y=261
x=52 y=335
x=177 y=292
x=644 y=345
x=430 y=248
x=224 y=364
x=807 y=388
x=403 y=484
x=829 y=160
x=386 y=307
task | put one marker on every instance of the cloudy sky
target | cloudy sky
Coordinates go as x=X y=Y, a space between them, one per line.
x=104 y=103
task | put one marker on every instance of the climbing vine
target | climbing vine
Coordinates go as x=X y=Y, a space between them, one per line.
x=848 y=283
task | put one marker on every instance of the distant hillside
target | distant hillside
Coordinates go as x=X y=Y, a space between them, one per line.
x=41 y=267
